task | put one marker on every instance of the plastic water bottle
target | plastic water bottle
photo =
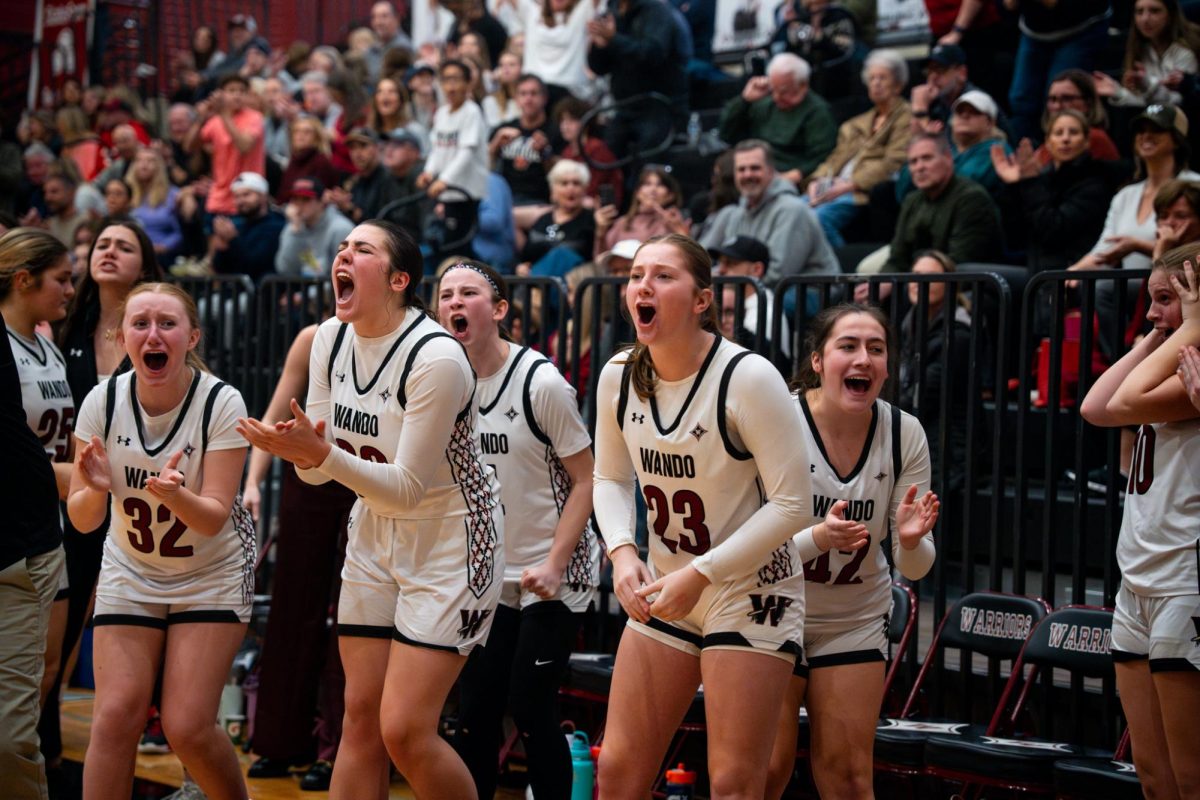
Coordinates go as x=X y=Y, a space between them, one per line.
x=693 y=129
x=583 y=769
x=681 y=784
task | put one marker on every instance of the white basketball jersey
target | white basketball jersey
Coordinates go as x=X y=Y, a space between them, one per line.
x=848 y=588
x=1159 y=543
x=49 y=407
x=698 y=484
x=527 y=416
x=171 y=561
x=368 y=390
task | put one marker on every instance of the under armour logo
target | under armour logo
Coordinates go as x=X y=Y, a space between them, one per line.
x=881 y=476
x=385 y=394
x=24 y=362
x=511 y=414
x=768 y=606
x=188 y=450
x=75 y=352
x=341 y=376
x=638 y=418
x=472 y=621
x=125 y=440
x=812 y=467
x=697 y=431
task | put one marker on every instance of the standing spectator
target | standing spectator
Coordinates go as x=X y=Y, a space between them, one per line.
x=781 y=109
x=826 y=35
x=637 y=48
x=472 y=16
x=556 y=43
x=347 y=91
x=310 y=156
x=769 y=210
x=501 y=102
x=372 y=187
x=870 y=148
x=422 y=91
x=241 y=30
x=232 y=135
x=183 y=166
x=246 y=244
x=458 y=156
x=62 y=217
x=521 y=149
x=385 y=22
x=1075 y=89
x=31 y=562
x=153 y=200
x=1161 y=51
x=309 y=242
x=1054 y=37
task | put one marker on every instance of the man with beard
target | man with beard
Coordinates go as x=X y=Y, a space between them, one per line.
x=62 y=217
x=247 y=243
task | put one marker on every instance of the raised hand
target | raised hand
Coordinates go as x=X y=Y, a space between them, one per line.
x=1189 y=372
x=297 y=440
x=1188 y=290
x=94 y=466
x=1005 y=164
x=839 y=533
x=916 y=517
x=169 y=480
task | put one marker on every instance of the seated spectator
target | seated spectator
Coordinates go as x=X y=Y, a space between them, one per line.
x=348 y=92
x=247 y=243
x=317 y=99
x=314 y=231
x=1161 y=50
x=521 y=151
x=579 y=141
x=972 y=134
x=372 y=187
x=402 y=159
x=36 y=160
x=125 y=148
x=501 y=102
x=115 y=111
x=721 y=192
x=118 y=198
x=781 y=109
x=422 y=91
x=562 y=237
x=495 y=240
x=309 y=156
x=947 y=80
x=653 y=212
x=748 y=257
x=1074 y=89
x=154 y=200
x=825 y=34
x=183 y=167
x=385 y=23
x=279 y=110
x=62 y=215
x=1062 y=206
x=948 y=213
x=391 y=109
x=232 y=135
x=870 y=148
x=769 y=210
x=80 y=144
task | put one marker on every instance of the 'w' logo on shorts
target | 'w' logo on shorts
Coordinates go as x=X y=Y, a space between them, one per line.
x=472 y=621
x=768 y=606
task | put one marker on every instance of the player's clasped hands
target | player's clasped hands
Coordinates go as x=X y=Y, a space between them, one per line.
x=916 y=517
x=677 y=593
x=168 y=481
x=94 y=466
x=839 y=533
x=296 y=440
x=629 y=575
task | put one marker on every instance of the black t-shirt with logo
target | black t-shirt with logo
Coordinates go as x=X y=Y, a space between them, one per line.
x=524 y=166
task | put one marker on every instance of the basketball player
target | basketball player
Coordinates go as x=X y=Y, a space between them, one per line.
x=176 y=584
x=1154 y=636
x=711 y=433
x=531 y=433
x=35 y=285
x=868 y=461
x=425 y=559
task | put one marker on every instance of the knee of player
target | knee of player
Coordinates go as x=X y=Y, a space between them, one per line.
x=845 y=774
x=736 y=780
x=186 y=729
x=116 y=720
x=403 y=737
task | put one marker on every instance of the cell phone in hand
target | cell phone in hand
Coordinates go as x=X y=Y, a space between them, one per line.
x=758 y=64
x=606 y=195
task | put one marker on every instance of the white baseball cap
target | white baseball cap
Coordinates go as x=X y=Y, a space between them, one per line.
x=251 y=180
x=978 y=100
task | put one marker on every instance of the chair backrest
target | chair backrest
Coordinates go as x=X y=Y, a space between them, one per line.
x=904 y=612
x=1073 y=638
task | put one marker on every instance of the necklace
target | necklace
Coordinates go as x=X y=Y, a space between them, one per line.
x=109 y=334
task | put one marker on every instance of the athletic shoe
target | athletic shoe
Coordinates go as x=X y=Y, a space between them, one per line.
x=189 y=791
x=318 y=777
x=267 y=767
x=154 y=741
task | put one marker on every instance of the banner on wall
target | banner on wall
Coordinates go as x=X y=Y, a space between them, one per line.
x=62 y=36
x=749 y=24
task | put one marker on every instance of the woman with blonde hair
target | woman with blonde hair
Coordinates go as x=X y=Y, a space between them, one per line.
x=153 y=203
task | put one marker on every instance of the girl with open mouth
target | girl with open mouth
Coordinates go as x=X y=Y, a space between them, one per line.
x=869 y=465
x=390 y=415
x=158 y=445
x=709 y=430
x=534 y=438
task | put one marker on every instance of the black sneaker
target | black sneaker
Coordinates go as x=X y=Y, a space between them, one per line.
x=154 y=741
x=318 y=777
x=267 y=767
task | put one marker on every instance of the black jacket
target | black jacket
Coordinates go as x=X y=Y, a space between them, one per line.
x=642 y=57
x=1064 y=211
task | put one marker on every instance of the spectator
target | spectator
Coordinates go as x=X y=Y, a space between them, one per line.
x=1076 y=90
x=279 y=109
x=568 y=116
x=638 y=49
x=31 y=201
x=521 y=150
x=472 y=16
x=125 y=148
x=495 y=240
x=1054 y=37
x=310 y=156
x=501 y=103
x=183 y=167
x=972 y=134
x=402 y=159
x=870 y=148
x=1062 y=206
x=372 y=187
x=115 y=112
x=62 y=217
x=977 y=28
x=314 y=87
x=256 y=61
x=655 y=210
x=556 y=43
x=241 y=30
x=948 y=213
x=348 y=92
x=232 y=135
x=769 y=210
x=1161 y=51
x=825 y=34
x=562 y=237
x=385 y=22
x=780 y=108
x=458 y=157
x=247 y=244
x=118 y=198
x=1177 y=208
x=947 y=79
x=314 y=230
x=189 y=66
x=153 y=200
x=721 y=192
x=748 y=257
x=80 y=144
x=422 y=90
x=391 y=109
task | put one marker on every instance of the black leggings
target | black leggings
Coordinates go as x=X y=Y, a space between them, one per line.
x=527 y=651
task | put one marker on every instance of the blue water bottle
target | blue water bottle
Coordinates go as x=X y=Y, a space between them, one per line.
x=583 y=769
x=681 y=784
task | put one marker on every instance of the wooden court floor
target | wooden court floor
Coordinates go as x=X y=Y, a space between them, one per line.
x=166 y=770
